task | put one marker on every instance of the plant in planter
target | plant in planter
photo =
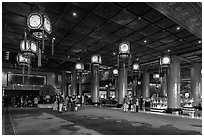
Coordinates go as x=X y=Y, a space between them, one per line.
x=47 y=93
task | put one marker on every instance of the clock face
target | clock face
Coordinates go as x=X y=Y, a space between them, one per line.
x=115 y=71
x=22 y=45
x=94 y=59
x=165 y=60
x=78 y=66
x=47 y=25
x=33 y=46
x=124 y=47
x=35 y=21
x=136 y=67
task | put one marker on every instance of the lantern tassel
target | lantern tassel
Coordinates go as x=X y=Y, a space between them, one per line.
x=29 y=67
x=43 y=41
x=39 y=59
x=23 y=71
x=25 y=38
x=53 y=40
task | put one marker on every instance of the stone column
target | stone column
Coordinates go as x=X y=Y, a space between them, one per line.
x=63 y=84
x=95 y=83
x=116 y=88
x=145 y=85
x=73 y=82
x=164 y=86
x=196 y=83
x=134 y=86
x=122 y=83
x=173 y=87
x=108 y=92
x=80 y=90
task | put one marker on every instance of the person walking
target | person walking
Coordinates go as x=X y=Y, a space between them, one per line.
x=125 y=104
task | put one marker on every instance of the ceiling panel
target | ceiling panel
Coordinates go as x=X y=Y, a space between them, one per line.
x=99 y=27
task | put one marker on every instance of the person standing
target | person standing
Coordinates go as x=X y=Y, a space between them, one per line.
x=141 y=103
x=21 y=101
x=60 y=103
x=66 y=100
x=134 y=101
x=35 y=102
x=55 y=104
x=82 y=101
x=137 y=105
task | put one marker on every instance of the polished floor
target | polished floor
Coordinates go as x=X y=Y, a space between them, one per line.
x=95 y=121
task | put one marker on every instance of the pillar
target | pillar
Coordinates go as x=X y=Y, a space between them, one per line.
x=63 y=84
x=95 y=83
x=80 y=90
x=196 y=83
x=134 y=86
x=116 y=89
x=108 y=92
x=73 y=82
x=164 y=86
x=122 y=83
x=173 y=87
x=145 y=85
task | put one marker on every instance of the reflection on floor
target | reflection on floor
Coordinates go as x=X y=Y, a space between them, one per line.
x=95 y=121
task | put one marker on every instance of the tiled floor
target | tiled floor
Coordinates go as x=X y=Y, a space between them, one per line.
x=98 y=120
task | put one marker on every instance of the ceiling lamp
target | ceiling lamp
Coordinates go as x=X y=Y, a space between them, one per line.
x=136 y=67
x=79 y=67
x=29 y=48
x=115 y=72
x=156 y=76
x=39 y=25
x=165 y=61
x=22 y=60
x=124 y=48
x=96 y=59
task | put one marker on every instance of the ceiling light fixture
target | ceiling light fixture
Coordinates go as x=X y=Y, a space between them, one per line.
x=74 y=14
x=199 y=41
x=178 y=28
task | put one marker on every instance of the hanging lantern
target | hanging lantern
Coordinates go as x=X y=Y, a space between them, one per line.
x=156 y=76
x=29 y=48
x=39 y=25
x=136 y=67
x=124 y=49
x=96 y=59
x=79 y=66
x=165 y=61
x=22 y=60
x=115 y=72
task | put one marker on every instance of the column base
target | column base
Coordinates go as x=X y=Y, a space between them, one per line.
x=119 y=105
x=95 y=103
x=174 y=110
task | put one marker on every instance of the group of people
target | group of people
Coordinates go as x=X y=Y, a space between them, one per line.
x=20 y=101
x=132 y=103
x=71 y=103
